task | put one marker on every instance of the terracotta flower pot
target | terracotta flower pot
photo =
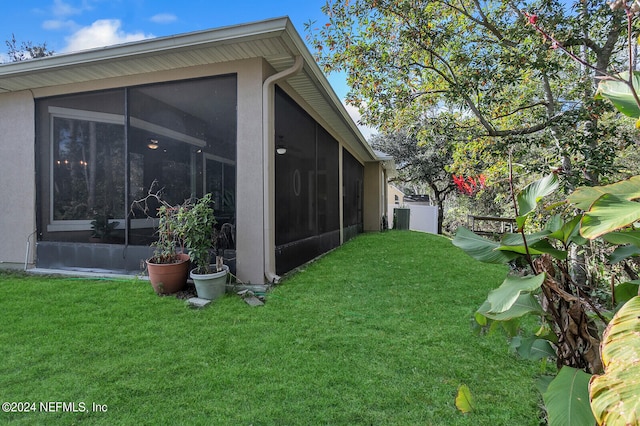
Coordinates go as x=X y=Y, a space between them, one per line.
x=167 y=278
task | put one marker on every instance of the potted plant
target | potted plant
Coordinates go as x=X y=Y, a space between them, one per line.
x=102 y=228
x=198 y=223
x=168 y=268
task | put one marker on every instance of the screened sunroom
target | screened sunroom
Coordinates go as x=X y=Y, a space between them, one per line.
x=100 y=151
x=241 y=112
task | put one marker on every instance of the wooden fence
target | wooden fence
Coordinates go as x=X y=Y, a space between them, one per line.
x=490 y=225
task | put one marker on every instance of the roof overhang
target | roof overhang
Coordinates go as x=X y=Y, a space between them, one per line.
x=388 y=163
x=275 y=40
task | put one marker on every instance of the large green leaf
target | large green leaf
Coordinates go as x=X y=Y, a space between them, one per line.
x=623 y=252
x=607 y=214
x=554 y=224
x=516 y=239
x=545 y=246
x=503 y=298
x=615 y=395
x=567 y=399
x=626 y=291
x=480 y=248
x=537 y=243
x=539 y=247
x=525 y=303
x=631 y=238
x=533 y=349
x=520 y=250
x=619 y=93
x=543 y=382
x=529 y=197
x=511 y=327
x=585 y=196
x=624 y=237
x=569 y=232
x=483 y=324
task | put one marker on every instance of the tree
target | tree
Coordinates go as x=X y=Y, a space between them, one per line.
x=422 y=156
x=26 y=50
x=484 y=60
x=609 y=212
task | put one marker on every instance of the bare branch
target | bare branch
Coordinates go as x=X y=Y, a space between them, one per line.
x=528 y=130
x=484 y=21
x=515 y=111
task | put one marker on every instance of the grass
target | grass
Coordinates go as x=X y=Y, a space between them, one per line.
x=375 y=333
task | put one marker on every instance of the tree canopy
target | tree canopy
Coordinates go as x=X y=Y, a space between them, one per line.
x=423 y=155
x=484 y=61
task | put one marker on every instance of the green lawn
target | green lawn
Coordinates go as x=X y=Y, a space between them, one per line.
x=377 y=332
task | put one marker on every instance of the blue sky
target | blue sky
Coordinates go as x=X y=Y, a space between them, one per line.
x=71 y=25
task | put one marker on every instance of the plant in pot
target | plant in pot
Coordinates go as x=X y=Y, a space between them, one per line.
x=102 y=228
x=168 y=268
x=198 y=223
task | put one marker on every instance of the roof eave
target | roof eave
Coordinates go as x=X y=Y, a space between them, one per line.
x=274 y=27
x=330 y=93
x=19 y=73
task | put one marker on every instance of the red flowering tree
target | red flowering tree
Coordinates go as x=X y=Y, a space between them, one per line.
x=469 y=185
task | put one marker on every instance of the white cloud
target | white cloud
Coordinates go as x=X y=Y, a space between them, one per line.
x=103 y=32
x=163 y=18
x=55 y=24
x=366 y=131
x=61 y=8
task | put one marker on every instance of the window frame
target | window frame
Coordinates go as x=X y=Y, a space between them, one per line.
x=58 y=225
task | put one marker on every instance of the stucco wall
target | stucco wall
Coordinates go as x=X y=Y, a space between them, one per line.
x=392 y=192
x=17 y=183
x=249 y=205
x=373 y=196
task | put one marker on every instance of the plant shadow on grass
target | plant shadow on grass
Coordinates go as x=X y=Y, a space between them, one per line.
x=376 y=332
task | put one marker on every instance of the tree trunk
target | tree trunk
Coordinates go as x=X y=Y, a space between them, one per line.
x=439 y=205
x=439 y=197
x=578 y=265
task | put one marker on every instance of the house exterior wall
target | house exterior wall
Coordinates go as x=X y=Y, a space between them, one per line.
x=17 y=184
x=373 y=196
x=18 y=162
x=250 y=207
x=392 y=193
x=17 y=119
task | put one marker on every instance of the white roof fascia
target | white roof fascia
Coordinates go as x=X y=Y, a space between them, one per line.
x=271 y=28
x=148 y=46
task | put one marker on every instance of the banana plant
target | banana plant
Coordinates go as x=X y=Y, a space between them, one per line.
x=568 y=332
x=614 y=395
x=622 y=92
x=612 y=212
